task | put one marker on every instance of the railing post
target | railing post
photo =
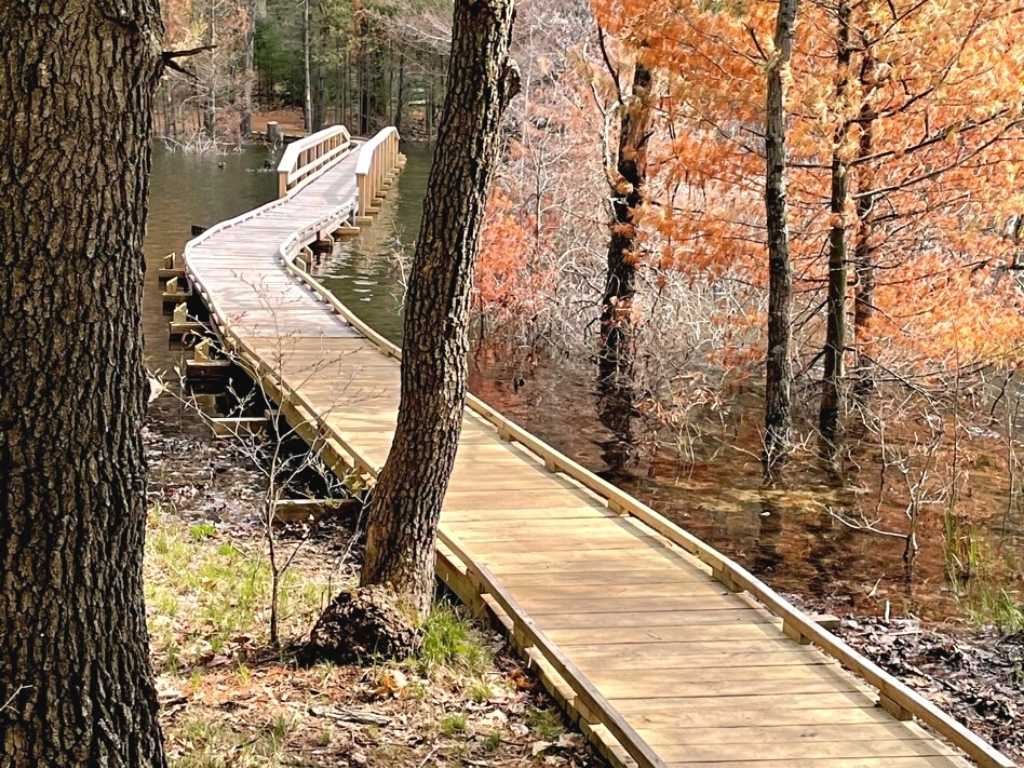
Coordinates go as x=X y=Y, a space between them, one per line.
x=282 y=183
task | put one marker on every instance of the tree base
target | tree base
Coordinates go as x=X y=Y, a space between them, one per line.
x=365 y=623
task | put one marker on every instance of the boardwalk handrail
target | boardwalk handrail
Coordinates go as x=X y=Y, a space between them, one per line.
x=303 y=158
x=377 y=158
x=731 y=573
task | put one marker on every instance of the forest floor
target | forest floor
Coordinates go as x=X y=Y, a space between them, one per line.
x=229 y=699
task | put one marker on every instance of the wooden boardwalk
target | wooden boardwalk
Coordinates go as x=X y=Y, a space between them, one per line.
x=665 y=651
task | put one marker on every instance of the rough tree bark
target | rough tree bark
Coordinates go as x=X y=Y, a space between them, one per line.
x=778 y=369
x=615 y=358
x=77 y=85
x=835 y=336
x=407 y=500
x=406 y=507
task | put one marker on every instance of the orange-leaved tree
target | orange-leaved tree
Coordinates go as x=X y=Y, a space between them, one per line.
x=902 y=156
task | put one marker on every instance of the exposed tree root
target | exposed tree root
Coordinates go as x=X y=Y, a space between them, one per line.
x=364 y=623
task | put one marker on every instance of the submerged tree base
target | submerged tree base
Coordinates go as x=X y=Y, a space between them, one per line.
x=364 y=623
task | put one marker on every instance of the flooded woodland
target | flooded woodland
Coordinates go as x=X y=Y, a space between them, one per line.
x=838 y=537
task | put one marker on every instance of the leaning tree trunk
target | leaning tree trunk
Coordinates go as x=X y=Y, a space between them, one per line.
x=407 y=501
x=835 y=335
x=76 y=101
x=615 y=357
x=778 y=369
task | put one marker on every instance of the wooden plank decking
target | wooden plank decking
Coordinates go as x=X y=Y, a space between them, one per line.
x=643 y=633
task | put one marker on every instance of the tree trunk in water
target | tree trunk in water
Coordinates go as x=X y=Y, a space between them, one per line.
x=616 y=356
x=76 y=103
x=835 y=337
x=362 y=66
x=407 y=500
x=320 y=100
x=400 y=100
x=211 y=101
x=249 y=75
x=779 y=372
x=863 y=256
x=339 y=85
x=307 y=95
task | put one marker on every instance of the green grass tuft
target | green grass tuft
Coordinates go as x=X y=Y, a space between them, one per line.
x=451 y=640
x=201 y=531
x=453 y=724
x=546 y=722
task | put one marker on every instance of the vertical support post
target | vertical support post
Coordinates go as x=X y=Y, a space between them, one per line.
x=282 y=183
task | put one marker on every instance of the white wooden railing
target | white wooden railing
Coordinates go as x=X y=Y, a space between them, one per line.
x=378 y=159
x=302 y=159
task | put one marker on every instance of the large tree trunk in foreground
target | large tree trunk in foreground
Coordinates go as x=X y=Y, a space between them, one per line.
x=76 y=97
x=407 y=500
x=778 y=369
x=615 y=358
x=835 y=336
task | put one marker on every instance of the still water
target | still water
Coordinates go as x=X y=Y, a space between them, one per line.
x=785 y=535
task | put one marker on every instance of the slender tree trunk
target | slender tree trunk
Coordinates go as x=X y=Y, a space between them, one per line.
x=76 y=104
x=307 y=95
x=248 y=74
x=407 y=500
x=863 y=250
x=359 y=19
x=616 y=355
x=400 y=101
x=347 y=91
x=428 y=112
x=339 y=84
x=211 y=101
x=320 y=99
x=835 y=336
x=779 y=372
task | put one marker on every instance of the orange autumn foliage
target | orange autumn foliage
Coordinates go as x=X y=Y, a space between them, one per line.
x=935 y=148
x=505 y=283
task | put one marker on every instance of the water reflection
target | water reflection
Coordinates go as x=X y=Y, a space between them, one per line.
x=187 y=189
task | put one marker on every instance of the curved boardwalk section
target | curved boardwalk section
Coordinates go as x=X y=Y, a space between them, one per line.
x=667 y=652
